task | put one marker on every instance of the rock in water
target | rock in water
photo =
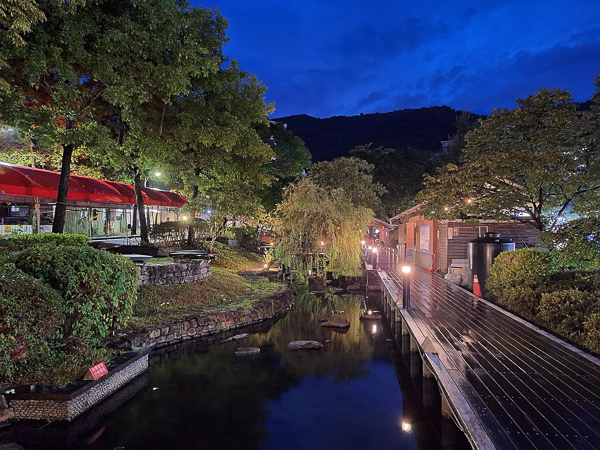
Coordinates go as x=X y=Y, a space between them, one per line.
x=336 y=323
x=237 y=337
x=305 y=345
x=247 y=351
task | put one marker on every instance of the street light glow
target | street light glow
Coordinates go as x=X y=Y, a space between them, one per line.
x=405 y=269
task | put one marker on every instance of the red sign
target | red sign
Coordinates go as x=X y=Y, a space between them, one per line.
x=96 y=371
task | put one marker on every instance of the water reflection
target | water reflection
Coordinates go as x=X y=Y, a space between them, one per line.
x=359 y=392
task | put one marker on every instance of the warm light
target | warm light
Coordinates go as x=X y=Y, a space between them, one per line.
x=406 y=426
x=374 y=250
x=158 y=174
x=446 y=208
x=271 y=243
x=322 y=243
x=405 y=269
x=184 y=217
x=362 y=242
x=469 y=200
x=369 y=312
x=374 y=329
x=266 y=266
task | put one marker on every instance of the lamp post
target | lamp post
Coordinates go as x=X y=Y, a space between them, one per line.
x=406 y=287
x=375 y=258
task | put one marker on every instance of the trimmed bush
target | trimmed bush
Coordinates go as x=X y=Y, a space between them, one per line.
x=517 y=279
x=567 y=311
x=18 y=242
x=98 y=288
x=30 y=317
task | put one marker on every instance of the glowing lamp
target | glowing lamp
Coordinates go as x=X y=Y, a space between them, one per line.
x=406 y=426
x=405 y=269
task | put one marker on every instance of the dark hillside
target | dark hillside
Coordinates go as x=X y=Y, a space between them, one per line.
x=421 y=129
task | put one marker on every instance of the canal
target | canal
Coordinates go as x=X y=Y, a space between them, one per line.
x=358 y=392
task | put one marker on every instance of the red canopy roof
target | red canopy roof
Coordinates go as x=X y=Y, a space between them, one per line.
x=24 y=181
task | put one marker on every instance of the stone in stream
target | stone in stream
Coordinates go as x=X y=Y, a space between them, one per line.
x=305 y=345
x=237 y=337
x=323 y=320
x=336 y=323
x=375 y=315
x=247 y=351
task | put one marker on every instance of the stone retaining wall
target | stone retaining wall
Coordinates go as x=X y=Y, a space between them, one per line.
x=66 y=406
x=214 y=323
x=175 y=273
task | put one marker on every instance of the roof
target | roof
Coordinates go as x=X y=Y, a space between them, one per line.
x=410 y=212
x=21 y=181
x=380 y=223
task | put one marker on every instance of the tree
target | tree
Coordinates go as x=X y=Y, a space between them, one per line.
x=353 y=176
x=400 y=172
x=465 y=122
x=539 y=159
x=312 y=220
x=291 y=159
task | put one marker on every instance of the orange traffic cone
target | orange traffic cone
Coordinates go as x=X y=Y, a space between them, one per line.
x=476 y=287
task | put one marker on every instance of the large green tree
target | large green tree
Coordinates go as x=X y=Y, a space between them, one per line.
x=539 y=159
x=400 y=172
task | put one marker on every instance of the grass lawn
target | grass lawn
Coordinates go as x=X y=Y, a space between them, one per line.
x=226 y=290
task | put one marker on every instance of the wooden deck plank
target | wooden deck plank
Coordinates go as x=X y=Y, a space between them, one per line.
x=527 y=388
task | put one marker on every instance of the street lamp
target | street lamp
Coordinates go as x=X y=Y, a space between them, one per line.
x=406 y=287
x=375 y=258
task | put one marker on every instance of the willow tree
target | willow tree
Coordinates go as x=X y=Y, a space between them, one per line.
x=312 y=220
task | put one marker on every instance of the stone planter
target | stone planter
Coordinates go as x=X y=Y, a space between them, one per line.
x=65 y=403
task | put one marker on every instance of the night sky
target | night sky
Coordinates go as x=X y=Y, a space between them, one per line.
x=346 y=57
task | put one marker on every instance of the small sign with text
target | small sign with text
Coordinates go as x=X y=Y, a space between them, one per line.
x=96 y=371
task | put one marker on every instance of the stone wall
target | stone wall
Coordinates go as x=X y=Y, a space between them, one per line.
x=175 y=273
x=66 y=406
x=214 y=323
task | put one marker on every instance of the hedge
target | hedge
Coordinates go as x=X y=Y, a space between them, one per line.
x=30 y=317
x=18 y=242
x=98 y=288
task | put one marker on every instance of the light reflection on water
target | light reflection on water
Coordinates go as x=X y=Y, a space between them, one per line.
x=347 y=395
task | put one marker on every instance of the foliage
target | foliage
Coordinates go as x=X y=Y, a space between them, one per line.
x=351 y=175
x=567 y=312
x=291 y=159
x=575 y=244
x=175 y=233
x=518 y=160
x=516 y=279
x=223 y=291
x=400 y=172
x=312 y=220
x=58 y=368
x=234 y=258
x=30 y=317
x=20 y=242
x=98 y=288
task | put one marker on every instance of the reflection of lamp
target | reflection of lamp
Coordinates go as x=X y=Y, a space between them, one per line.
x=406 y=426
x=374 y=329
x=406 y=287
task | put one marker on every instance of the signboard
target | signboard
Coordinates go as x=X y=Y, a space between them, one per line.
x=96 y=371
x=424 y=239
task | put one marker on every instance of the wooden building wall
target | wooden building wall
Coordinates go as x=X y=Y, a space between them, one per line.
x=455 y=237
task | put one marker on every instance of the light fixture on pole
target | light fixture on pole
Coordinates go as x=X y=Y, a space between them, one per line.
x=375 y=258
x=406 y=287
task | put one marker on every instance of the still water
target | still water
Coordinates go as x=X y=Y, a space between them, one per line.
x=355 y=393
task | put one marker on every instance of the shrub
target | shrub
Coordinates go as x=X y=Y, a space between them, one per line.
x=98 y=288
x=30 y=317
x=567 y=311
x=18 y=242
x=517 y=279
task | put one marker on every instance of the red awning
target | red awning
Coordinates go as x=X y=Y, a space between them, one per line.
x=24 y=181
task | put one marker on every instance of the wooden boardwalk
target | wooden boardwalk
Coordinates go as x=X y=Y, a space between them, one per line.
x=510 y=385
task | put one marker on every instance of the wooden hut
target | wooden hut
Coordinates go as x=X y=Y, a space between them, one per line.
x=437 y=244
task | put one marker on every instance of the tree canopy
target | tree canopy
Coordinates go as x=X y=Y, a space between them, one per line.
x=539 y=161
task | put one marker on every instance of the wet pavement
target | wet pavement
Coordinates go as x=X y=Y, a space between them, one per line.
x=526 y=388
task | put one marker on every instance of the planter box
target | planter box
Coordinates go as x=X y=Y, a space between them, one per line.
x=65 y=403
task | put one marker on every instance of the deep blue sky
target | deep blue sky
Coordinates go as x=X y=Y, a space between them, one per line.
x=344 y=57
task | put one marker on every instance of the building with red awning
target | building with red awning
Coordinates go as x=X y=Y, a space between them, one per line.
x=94 y=207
